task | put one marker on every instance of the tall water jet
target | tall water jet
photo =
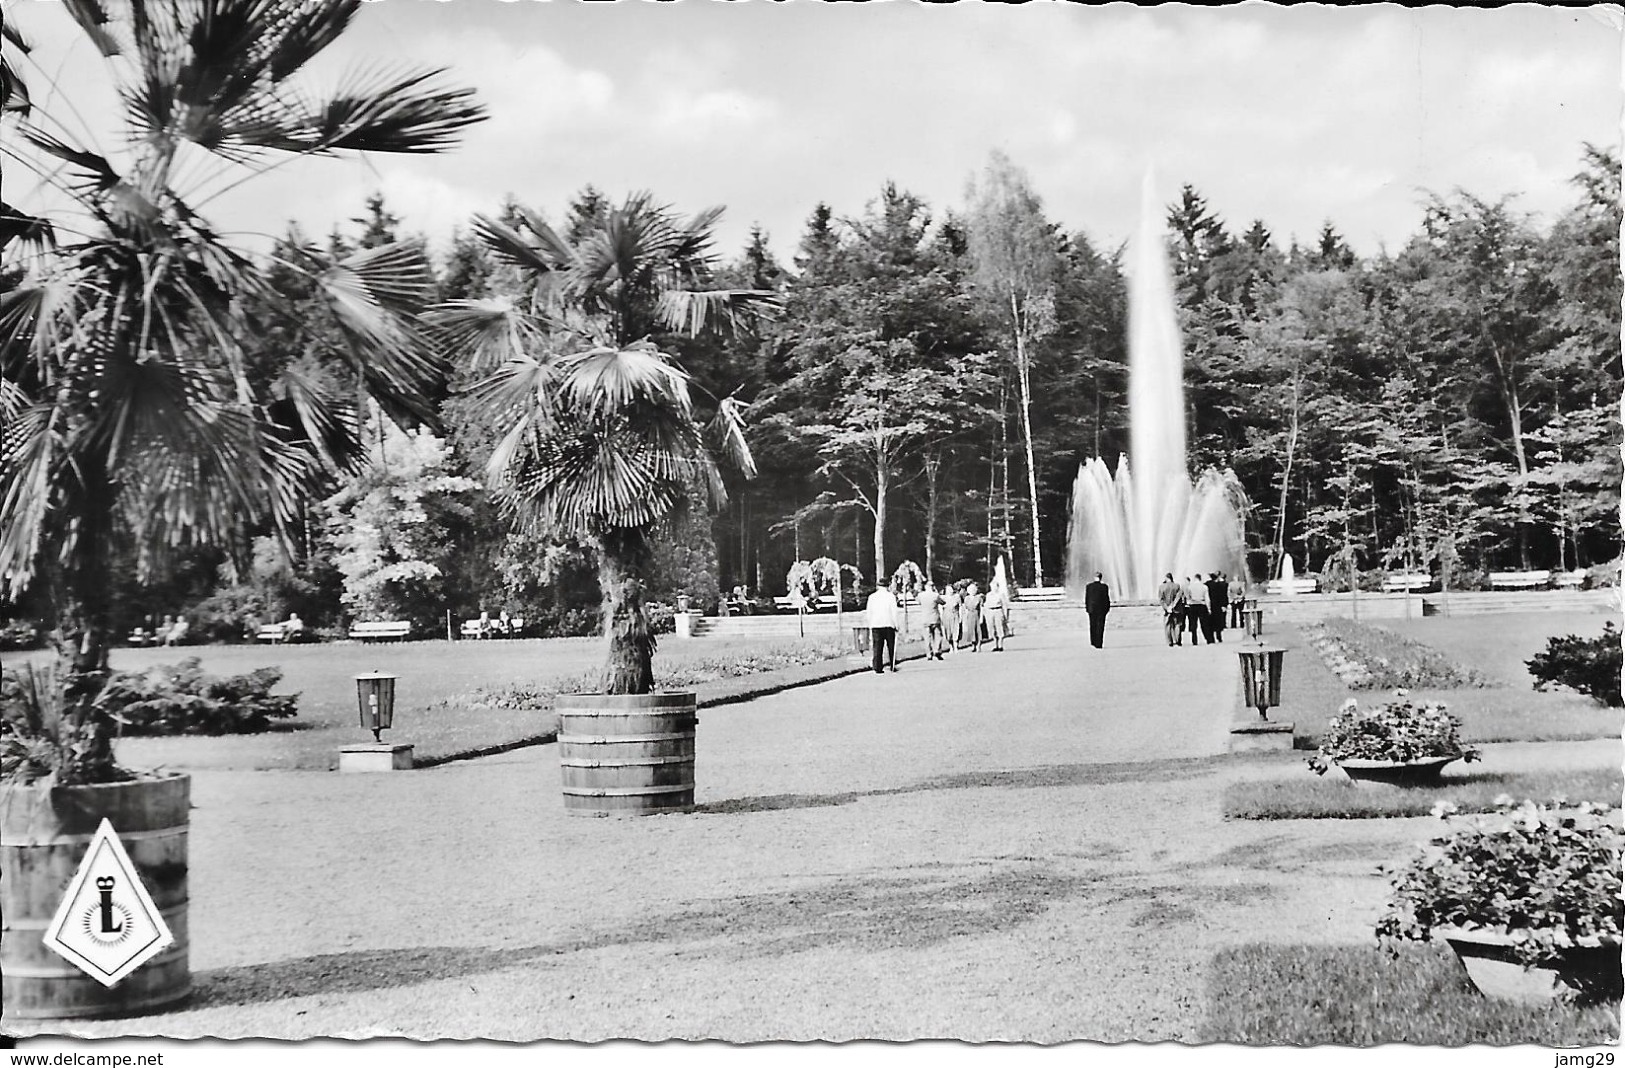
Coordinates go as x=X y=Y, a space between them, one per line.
x=1133 y=528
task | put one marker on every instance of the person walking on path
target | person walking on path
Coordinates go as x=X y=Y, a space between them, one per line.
x=931 y=615
x=1218 y=604
x=952 y=604
x=1238 y=594
x=970 y=617
x=1196 y=609
x=1097 y=601
x=1171 y=595
x=882 y=619
x=994 y=617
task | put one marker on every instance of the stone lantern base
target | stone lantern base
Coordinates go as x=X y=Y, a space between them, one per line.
x=376 y=756
x=1260 y=734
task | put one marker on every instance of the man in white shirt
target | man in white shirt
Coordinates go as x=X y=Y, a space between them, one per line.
x=882 y=620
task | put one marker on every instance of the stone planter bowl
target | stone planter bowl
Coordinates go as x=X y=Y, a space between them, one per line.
x=1590 y=971
x=1408 y=773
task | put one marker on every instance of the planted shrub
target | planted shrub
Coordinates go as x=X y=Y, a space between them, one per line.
x=1397 y=730
x=181 y=699
x=1589 y=665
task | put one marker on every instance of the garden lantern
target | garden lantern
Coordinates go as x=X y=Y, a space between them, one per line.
x=375 y=694
x=1252 y=620
x=1261 y=677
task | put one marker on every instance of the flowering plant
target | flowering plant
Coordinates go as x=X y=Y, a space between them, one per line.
x=1548 y=876
x=1398 y=730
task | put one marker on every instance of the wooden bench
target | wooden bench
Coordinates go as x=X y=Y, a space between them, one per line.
x=1412 y=581
x=272 y=632
x=1520 y=580
x=381 y=631
x=787 y=604
x=1292 y=586
x=1570 y=580
x=494 y=628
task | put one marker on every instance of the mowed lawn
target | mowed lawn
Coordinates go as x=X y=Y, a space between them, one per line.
x=1496 y=645
x=437 y=705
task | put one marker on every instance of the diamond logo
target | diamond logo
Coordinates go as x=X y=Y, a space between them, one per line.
x=107 y=925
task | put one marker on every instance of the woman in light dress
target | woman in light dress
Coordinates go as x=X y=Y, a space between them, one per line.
x=951 y=605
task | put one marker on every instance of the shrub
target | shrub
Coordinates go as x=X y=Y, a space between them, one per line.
x=1397 y=730
x=1548 y=875
x=1589 y=665
x=181 y=699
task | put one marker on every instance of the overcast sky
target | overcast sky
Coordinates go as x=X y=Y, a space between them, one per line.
x=1293 y=115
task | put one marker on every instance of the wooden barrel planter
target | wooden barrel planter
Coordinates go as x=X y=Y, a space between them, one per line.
x=44 y=834
x=627 y=754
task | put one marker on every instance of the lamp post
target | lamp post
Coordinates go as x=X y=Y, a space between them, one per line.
x=1261 y=677
x=375 y=701
x=1261 y=690
x=375 y=694
x=1252 y=619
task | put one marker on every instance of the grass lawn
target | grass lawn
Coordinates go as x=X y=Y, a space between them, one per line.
x=1359 y=996
x=1497 y=644
x=1311 y=694
x=1469 y=786
x=439 y=706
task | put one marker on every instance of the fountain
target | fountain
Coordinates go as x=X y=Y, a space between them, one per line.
x=1137 y=524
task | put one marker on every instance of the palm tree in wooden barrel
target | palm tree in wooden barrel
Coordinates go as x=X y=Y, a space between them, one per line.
x=136 y=419
x=603 y=437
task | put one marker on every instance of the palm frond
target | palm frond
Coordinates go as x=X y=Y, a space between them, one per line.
x=316 y=416
x=95 y=173
x=374 y=296
x=726 y=432
x=481 y=333
x=13 y=87
x=92 y=17
x=28 y=230
x=29 y=449
x=402 y=114
x=691 y=311
x=607 y=380
x=511 y=247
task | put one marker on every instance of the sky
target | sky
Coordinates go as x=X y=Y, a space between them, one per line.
x=1295 y=116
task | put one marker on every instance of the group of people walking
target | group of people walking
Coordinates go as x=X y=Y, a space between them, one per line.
x=1198 y=607
x=955 y=616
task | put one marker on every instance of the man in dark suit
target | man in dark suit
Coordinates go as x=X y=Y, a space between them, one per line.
x=1097 y=601
x=1218 y=604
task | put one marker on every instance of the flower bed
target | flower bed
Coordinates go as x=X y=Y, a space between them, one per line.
x=1372 y=658
x=1545 y=875
x=1399 y=731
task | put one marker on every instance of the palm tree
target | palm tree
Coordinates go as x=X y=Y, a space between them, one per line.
x=131 y=421
x=603 y=437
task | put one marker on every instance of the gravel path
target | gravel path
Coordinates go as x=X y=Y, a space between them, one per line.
x=1016 y=846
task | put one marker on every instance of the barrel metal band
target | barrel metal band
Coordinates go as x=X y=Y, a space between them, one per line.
x=646 y=762
x=609 y=739
x=40 y=923
x=628 y=791
x=68 y=971
x=85 y=839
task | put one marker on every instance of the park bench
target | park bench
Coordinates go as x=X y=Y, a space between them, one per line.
x=271 y=632
x=494 y=628
x=381 y=631
x=1411 y=581
x=1570 y=580
x=787 y=604
x=1292 y=586
x=1520 y=580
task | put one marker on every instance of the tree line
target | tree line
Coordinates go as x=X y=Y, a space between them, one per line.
x=921 y=383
